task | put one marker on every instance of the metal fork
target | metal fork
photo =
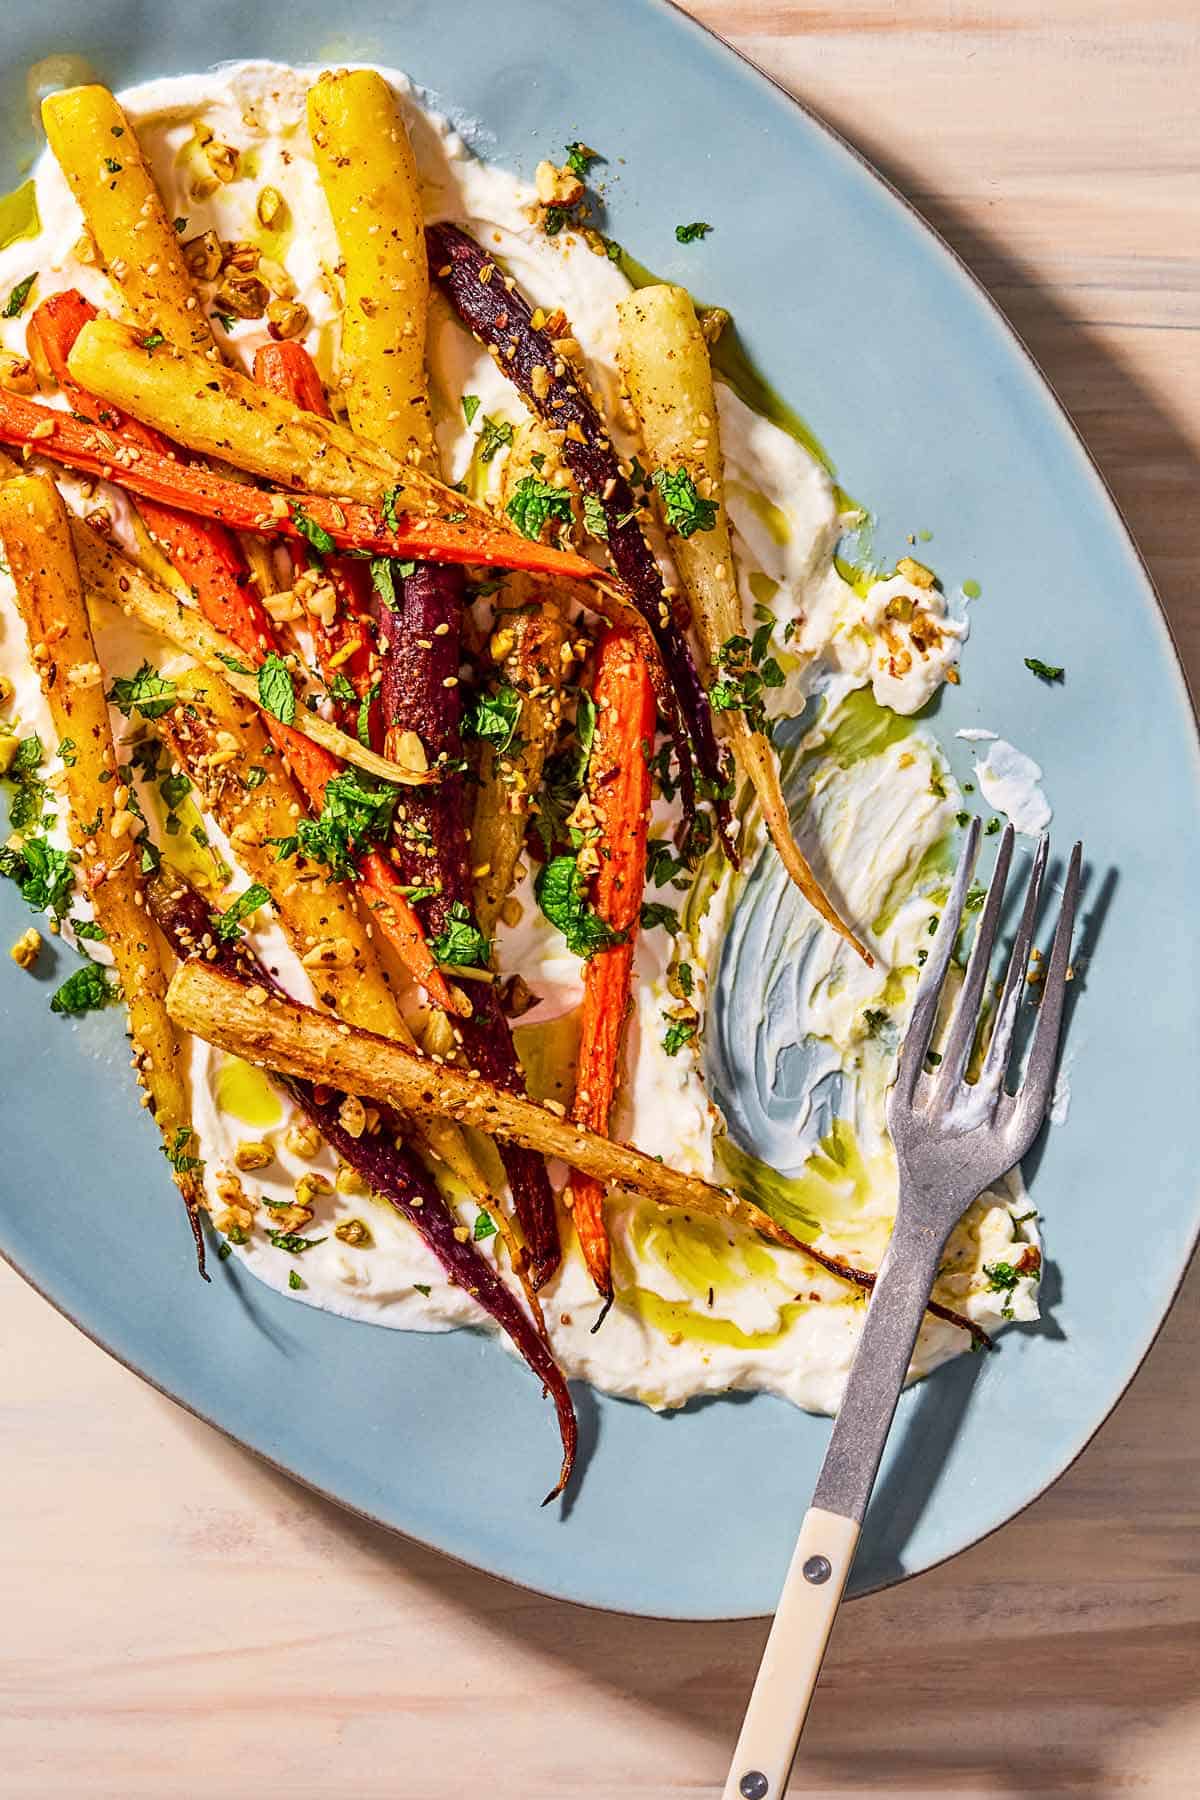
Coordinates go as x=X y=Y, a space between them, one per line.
x=953 y=1139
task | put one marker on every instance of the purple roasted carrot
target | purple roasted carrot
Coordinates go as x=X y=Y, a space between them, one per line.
x=419 y=651
x=389 y=1170
x=498 y=313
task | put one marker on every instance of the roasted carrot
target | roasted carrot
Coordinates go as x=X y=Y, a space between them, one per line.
x=618 y=787
x=209 y=559
x=276 y=512
x=529 y=354
x=419 y=655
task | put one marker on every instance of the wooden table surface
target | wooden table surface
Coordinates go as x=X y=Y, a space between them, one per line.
x=177 y=1620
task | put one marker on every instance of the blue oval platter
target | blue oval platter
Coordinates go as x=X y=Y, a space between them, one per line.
x=935 y=414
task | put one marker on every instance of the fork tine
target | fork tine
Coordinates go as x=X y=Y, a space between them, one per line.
x=1033 y=1096
x=929 y=990
x=1000 y=1048
x=966 y=1008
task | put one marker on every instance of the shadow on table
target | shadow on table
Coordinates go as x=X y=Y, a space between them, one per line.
x=925 y=1684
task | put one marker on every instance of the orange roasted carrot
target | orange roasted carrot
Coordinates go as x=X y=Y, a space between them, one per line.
x=349 y=525
x=209 y=559
x=619 y=792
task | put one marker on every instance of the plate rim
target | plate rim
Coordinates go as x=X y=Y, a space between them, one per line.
x=720 y=47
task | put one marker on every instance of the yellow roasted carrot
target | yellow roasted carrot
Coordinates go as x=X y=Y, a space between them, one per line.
x=97 y=149
x=37 y=540
x=369 y=176
x=665 y=362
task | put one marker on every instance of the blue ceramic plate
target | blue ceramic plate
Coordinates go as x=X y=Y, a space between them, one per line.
x=937 y=416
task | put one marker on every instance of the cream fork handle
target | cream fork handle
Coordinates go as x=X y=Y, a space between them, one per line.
x=793 y=1656
x=796 y=1646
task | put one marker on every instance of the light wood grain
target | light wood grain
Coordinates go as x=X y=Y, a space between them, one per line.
x=176 y=1620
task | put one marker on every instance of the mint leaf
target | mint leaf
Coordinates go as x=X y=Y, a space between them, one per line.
x=655 y=913
x=534 y=503
x=226 y=925
x=687 y=511
x=495 y=435
x=352 y=817
x=462 y=942
x=383 y=580
x=493 y=718
x=146 y=692
x=1044 y=671
x=87 y=990
x=562 y=895
x=688 y=234
x=470 y=406
x=276 y=690
x=315 y=534
x=14 y=306
x=485 y=1226
x=289 y=1241
x=388 y=506
x=679 y=1032
x=595 y=519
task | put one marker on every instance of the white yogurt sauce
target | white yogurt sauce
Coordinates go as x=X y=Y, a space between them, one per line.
x=697 y=1311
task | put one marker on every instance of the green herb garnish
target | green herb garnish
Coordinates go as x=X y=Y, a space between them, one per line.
x=227 y=925
x=1044 y=671
x=534 y=502
x=495 y=435
x=87 y=990
x=14 y=306
x=679 y=1032
x=315 y=534
x=687 y=510
x=493 y=718
x=461 y=943
x=562 y=895
x=276 y=689
x=146 y=692
x=688 y=234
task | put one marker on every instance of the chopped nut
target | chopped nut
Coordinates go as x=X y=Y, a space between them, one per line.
x=915 y=572
x=557 y=187
x=283 y=608
x=245 y=296
x=512 y=912
x=312 y=1187
x=290 y=1218
x=349 y=1181
x=253 y=1154
x=222 y=160
x=17 y=374
x=202 y=256
x=329 y=953
x=271 y=208
x=353 y=1231
x=276 y=277
x=85 y=675
x=242 y=256
x=27 y=948
x=287 y=319
x=352 y=1115
x=516 y=996
x=302 y=1138
x=238 y=1215
x=406 y=749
